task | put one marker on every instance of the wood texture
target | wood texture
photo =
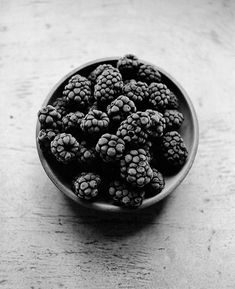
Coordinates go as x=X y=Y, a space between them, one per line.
x=46 y=241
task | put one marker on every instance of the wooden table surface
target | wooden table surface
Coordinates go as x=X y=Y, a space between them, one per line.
x=188 y=241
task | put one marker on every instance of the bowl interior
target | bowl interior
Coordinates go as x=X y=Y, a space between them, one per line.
x=188 y=130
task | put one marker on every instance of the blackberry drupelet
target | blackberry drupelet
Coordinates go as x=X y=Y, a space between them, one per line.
x=78 y=92
x=174 y=149
x=157 y=183
x=110 y=147
x=97 y=72
x=136 y=91
x=135 y=168
x=72 y=121
x=133 y=130
x=49 y=117
x=45 y=137
x=159 y=96
x=128 y=66
x=158 y=123
x=173 y=118
x=60 y=105
x=108 y=86
x=86 y=185
x=65 y=148
x=173 y=102
x=148 y=73
x=124 y=195
x=120 y=108
x=95 y=122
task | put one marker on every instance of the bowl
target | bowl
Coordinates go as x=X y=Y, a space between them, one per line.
x=189 y=131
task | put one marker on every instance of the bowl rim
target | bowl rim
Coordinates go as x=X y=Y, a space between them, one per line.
x=149 y=201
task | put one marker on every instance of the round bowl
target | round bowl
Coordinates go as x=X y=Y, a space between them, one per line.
x=189 y=131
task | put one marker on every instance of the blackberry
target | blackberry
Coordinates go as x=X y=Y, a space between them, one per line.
x=95 y=73
x=135 y=168
x=78 y=92
x=133 y=129
x=108 y=86
x=148 y=73
x=120 y=108
x=173 y=102
x=86 y=185
x=49 y=117
x=174 y=149
x=110 y=147
x=72 y=121
x=95 y=122
x=65 y=148
x=128 y=66
x=173 y=119
x=157 y=183
x=86 y=154
x=159 y=96
x=158 y=123
x=124 y=195
x=136 y=91
x=45 y=137
x=60 y=105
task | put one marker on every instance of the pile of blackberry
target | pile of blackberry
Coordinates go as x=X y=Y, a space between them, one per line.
x=115 y=131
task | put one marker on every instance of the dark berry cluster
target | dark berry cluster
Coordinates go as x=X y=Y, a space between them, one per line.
x=112 y=128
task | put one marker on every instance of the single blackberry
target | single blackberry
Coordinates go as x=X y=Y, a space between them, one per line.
x=97 y=72
x=124 y=195
x=148 y=73
x=159 y=96
x=173 y=119
x=108 y=86
x=174 y=149
x=45 y=137
x=134 y=128
x=72 y=121
x=110 y=147
x=86 y=154
x=49 y=117
x=86 y=185
x=120 y=108
x=136 y=91
x=128 y=66
x=60 y=105
x=135 y=168
x=173 y=102
x=65 y=148
x=157 y=183
x=95 y=122
x=78 y=92
x=158 y=123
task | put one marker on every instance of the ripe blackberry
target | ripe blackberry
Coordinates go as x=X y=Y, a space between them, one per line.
x=157 y=183
x=45 y=137
x=86 y=154
x=97 y=72
x=108 y=86
x=49 y=117
x=148 y=73
x=72 y=121
x=134 y=129
x=136 y=91
x=60 y=105
x=173 y=102
x=158 y=123
x=128 y=66
x=86 y=185
x=124 y=195
x=173 y=119
x=174 y=149
x=95 y=122
x=78 y=92
x=135 y=168
x=110 y=147
x=65 y=148
x=120 y=108
x=159 y=96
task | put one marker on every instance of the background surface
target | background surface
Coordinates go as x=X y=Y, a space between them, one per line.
x=48 y=242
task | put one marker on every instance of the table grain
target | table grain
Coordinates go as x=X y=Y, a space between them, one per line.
x=187 y=241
